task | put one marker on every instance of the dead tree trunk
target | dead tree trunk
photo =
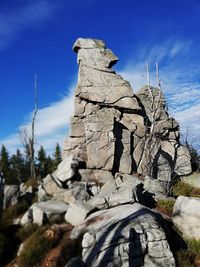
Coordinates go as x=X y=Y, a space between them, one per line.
x=154 y=105
x=27 y=136
x=32 y=139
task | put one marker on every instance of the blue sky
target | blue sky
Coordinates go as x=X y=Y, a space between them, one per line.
x=37 y=36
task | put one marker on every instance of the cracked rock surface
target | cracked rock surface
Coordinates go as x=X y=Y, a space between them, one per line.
x=123 y=148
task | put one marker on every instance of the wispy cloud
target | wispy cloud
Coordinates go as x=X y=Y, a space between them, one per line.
x=50 y=127
x=17 y=19
x=181 y=87
x=179 y=71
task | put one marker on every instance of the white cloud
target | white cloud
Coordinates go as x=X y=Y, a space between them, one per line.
x=180 y=81
x=13 y=22
x=189 y=120
x=182 y=91
x=50 y=127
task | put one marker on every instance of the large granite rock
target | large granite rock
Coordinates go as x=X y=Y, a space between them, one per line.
x=123 y=149
x=115 y=130
x=11 y=195
x=77 y=213
x=192 y=179
x=128 y=235
x=186 y=216
x=43 y=212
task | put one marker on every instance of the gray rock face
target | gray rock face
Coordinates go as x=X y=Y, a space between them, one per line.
x=128 y=235
x=42 y=212
x=117 y=139
x=117 y=131
x=186 y=216
x=77 y=213
x=11 y=195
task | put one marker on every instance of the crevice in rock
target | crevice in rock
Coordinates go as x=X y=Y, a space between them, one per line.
x=147 y=122
x=119 y=147
x=134 y=166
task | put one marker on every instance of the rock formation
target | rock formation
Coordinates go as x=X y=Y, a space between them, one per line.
x=114 y=130
x=122 y=149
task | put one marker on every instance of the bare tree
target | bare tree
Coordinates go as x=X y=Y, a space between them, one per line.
x=151 y=142
x=27 y=136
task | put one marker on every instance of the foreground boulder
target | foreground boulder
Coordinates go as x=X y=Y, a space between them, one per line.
x=43 y=212
x=127 y=235
x=186 y=216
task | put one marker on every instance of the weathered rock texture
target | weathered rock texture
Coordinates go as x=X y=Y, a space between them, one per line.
x=11 y=195
x=116 y=131
x=43 y=212
x=129 y=235
x=186 y=216
x=122 y=148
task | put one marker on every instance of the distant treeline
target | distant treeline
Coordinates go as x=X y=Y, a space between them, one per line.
x=16 y=168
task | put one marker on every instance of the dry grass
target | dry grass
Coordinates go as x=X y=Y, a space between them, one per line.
x=184 y=189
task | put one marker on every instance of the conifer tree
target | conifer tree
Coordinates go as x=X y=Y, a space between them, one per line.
x=18 y=167
x=5 y=164
x=57 y=155
x=50 y=165
x=42 y=166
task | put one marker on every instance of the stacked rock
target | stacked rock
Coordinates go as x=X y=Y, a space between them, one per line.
x=114 y=130
x=122 y=149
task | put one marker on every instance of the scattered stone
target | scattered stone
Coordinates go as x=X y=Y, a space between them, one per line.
x=113 y=134
x=155 y=187
x=66 y=169
x=11 y=195
x=77 y=212
x=186 y=216
x=192 y=179
x=42 y=212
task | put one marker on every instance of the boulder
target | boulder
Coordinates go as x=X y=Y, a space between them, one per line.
x=50 y=185
x=66 y=169
x=77 y=193
x=11 y=195
x=186 y=216
x=127 y=235
x=42 y=212
x=77 y=212
x=155 y=187
x=157 y=98
x=192 y=179
x=183 y=161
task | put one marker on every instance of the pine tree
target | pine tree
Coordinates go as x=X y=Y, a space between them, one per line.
x=18 y=167
x=27 y=161
x=57 y=155
x=5 y=164
x=50 y=165
x=42 y=166
x=195 y=157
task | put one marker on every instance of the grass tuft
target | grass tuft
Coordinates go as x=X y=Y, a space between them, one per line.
x=184 y=189
x=166 y=206
x=35 y=247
